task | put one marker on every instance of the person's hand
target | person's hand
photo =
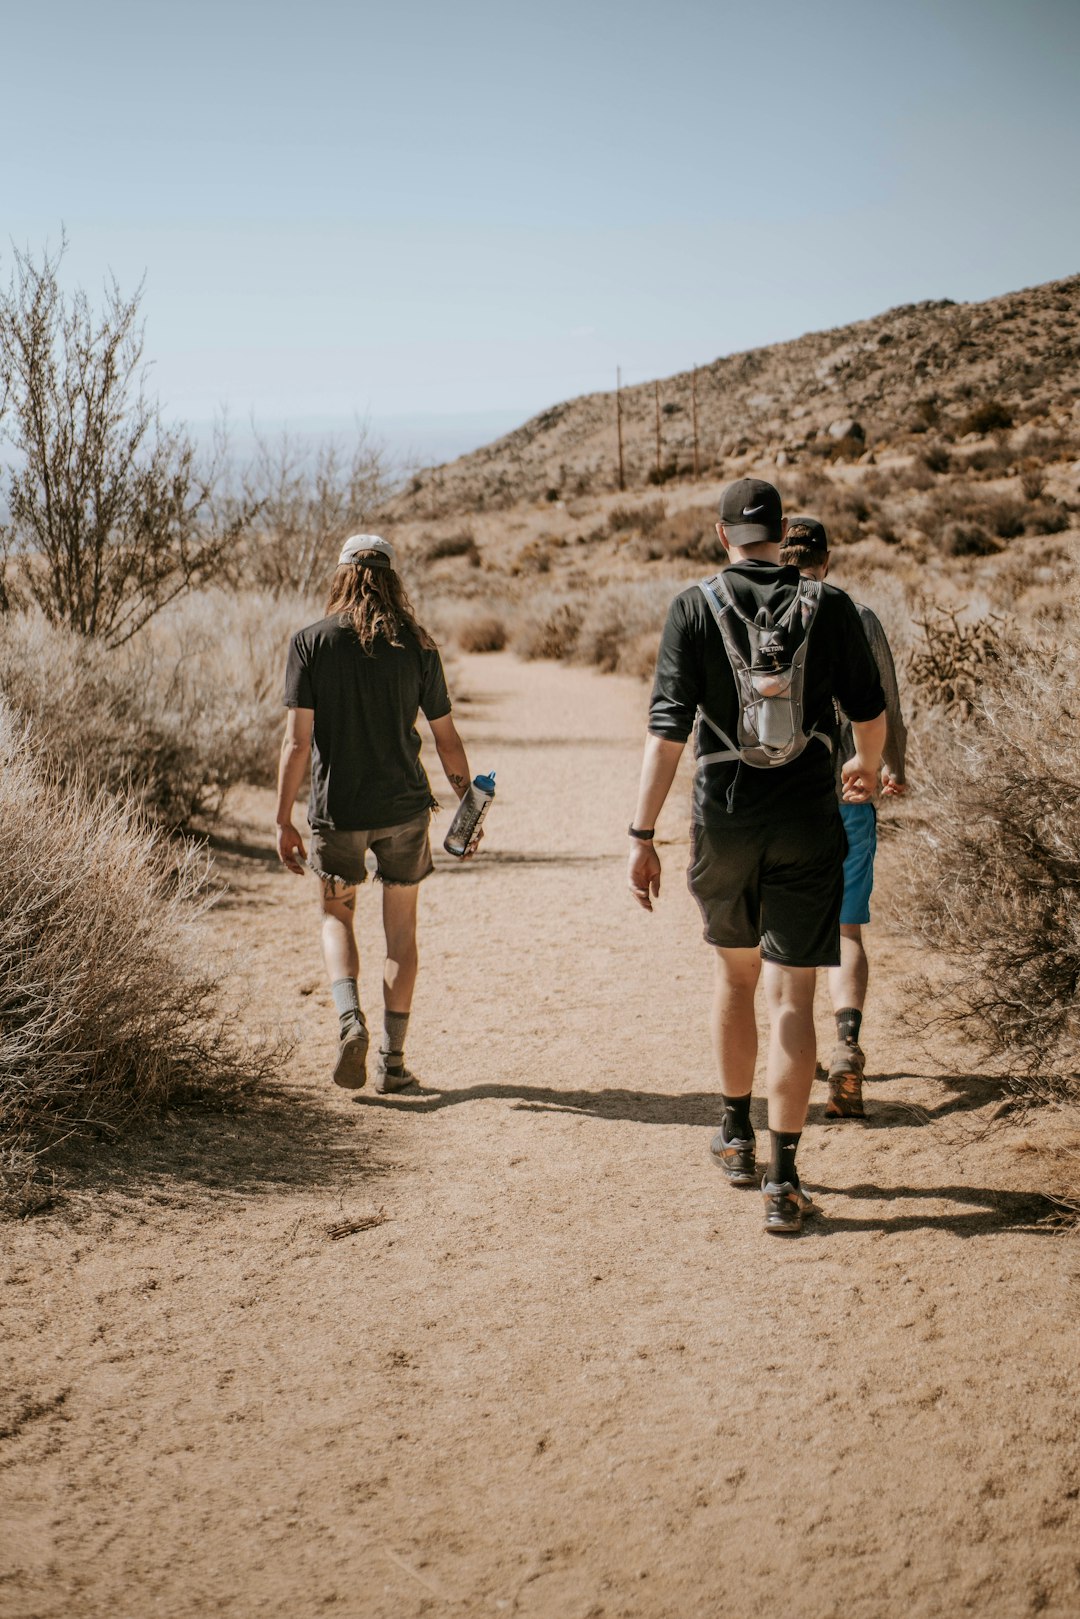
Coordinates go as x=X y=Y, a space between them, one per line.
x=644 y=873
x=290 y=848
x=860 y=784
x=890 y=786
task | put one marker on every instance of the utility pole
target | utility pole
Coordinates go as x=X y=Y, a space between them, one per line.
x=656 y=395
x=618 y=421
x=693 y=412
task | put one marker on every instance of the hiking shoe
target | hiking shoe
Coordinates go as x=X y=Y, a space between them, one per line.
x=845 y=1078
x=735 y=1158
x=786 y=1207
x=350 y=1069
x=390 y=1080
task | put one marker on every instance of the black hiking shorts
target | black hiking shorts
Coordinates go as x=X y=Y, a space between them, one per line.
x=779 y=886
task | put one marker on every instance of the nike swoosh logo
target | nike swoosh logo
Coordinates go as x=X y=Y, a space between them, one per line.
x=752 y=511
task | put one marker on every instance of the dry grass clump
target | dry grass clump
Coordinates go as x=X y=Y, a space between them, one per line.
x=461 y=544
x=484 y=632
x=109 y=1003
x=184 y=711
x=993 y=875
x=616 y=629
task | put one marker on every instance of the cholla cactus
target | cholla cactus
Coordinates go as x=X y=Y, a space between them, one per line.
x=954 y=659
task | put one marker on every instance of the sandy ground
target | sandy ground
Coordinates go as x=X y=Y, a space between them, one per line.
x=567 y=1375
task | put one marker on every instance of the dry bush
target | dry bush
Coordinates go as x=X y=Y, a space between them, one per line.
x=644 y=520
x=461 y=544
x=548 y=629
x=992 y=877
x=613 y=630
x=110 y=1003
x=954 y=659
x=990 y=417
x=188 y=708
x=968 y=540
x=537 y=555
x=484 y=632
x=689 y=533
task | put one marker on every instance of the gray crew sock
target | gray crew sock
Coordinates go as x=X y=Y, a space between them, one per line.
x=392 y=1050
x=347 y=1001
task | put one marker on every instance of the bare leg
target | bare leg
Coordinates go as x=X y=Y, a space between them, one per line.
x=734 y=1027
x=789 y=1072
x=847 y=983
x=402 y=960
x=338 y=939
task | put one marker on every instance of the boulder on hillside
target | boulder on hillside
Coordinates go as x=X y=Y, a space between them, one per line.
x=847 y=427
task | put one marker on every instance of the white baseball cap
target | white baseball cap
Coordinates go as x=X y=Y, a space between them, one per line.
x=357 y=544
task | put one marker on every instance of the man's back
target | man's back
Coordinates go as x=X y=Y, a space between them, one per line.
x=693 y=673
x=366 y=769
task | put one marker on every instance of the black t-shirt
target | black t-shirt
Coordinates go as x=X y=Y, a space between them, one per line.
x=693 y=672
x=365 y=755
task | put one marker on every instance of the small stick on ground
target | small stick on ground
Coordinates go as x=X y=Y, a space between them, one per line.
x=346 y=1227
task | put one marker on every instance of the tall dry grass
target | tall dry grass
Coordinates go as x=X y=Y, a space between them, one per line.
x=188 y=708
x=112 y=1001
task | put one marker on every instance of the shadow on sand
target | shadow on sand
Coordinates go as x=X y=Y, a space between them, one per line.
x=278 y=1140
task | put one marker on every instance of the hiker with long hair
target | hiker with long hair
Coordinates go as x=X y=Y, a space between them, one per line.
x=354 y=684
x=751 y=661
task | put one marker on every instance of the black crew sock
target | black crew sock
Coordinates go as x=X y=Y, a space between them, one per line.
x=782 y=1157
x=848 y=1024
x=736 y=1120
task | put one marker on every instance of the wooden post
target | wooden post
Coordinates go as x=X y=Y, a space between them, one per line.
x=618 y=422
x=693 y=410
x=656 y=395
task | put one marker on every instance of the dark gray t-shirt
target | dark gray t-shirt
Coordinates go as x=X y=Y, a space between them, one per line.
x=693 y=673
x=365 y=753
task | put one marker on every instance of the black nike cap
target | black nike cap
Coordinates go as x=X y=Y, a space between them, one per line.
x=750 y=511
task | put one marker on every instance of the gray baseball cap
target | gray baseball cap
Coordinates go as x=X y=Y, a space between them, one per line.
x=355 y=546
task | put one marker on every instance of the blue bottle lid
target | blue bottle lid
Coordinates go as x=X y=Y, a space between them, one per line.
x=486 y=784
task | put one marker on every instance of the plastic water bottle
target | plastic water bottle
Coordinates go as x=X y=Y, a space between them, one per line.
x=470 y=812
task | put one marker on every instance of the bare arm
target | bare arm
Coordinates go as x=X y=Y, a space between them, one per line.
x=860 y=773
x=658 y=767
x=292 y=768
x=451 y=751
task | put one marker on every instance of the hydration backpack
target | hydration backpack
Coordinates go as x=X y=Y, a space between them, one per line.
x=767 y=656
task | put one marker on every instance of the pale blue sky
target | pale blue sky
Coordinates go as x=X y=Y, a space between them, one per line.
x=481 y=208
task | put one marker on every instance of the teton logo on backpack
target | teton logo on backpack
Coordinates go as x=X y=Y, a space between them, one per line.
x=767 y=657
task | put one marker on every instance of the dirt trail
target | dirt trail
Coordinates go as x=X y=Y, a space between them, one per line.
x=568 y=1375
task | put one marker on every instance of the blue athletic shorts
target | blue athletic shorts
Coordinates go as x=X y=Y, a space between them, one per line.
x=860 y=824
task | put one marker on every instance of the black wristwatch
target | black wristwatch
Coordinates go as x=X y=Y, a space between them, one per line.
x=642 y=837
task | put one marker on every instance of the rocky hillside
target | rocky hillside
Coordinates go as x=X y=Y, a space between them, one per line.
x=940 y=366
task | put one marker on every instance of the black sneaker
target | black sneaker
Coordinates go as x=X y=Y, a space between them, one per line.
x=350 y=1069
x=786 y=1207
x=735 y=1158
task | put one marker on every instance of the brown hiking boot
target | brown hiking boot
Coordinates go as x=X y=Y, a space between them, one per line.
x=350 y=1069
x=388 y=1080
x=845 y=1078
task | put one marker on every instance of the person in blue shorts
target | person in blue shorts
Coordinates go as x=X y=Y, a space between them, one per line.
x=807 y=548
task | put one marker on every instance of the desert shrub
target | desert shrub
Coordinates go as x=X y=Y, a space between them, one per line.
x=992 y=878
x=991 y=416
x=110 y=1001
x=992 y=460
x=462 y=544
x=643 y=520
x=951 y=663
x=936 y=458
x=482 y=633
x=188 y=708
x=968 y=540
x=548 y=630
x=1032 y=481
x=537 y=555
x=1047 y=517
x=690 y=532
x=1003 y=515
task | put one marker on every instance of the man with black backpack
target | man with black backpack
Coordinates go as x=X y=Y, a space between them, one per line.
x=753 y=662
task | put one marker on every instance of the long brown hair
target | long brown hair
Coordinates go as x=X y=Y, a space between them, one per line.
x=375 y=602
